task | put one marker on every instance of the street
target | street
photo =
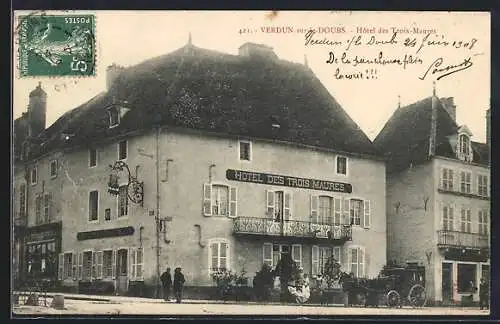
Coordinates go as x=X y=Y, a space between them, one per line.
x=115 y=308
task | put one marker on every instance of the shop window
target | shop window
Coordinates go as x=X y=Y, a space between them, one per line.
x=219 y=200
x=466 y=277
x=41 y=260
x=341 y=165
x=219 y=255
x=465 y=182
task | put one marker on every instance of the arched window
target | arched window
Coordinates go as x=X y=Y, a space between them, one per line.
x=464 y=144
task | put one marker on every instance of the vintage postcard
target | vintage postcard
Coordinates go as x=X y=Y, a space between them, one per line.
x=251 y=162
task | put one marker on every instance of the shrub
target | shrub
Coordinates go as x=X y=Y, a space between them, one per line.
x=228 y=283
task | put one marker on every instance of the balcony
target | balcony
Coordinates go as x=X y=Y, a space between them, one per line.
x=455 y=239
x=291 y=228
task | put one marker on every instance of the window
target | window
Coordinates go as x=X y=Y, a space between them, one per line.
x=278 y=205
x=107 y=264
x=107 y=214
x=357 y=261
x=464 y=144
x=68 y=265
x=53 y=168
x=114 y=117
x=38 y=209
x=97 y=265
x=93 y=205
x=447 y=179
x=482 y=222
x=22 y=200
x=272 y=253
x=360 y=212
x=219 y=255
x=341 y=165
x=482 y=185
x=466 y=277
x=34 y=174
x=219 y=200
x=122 y=150
x=47 y=200
x=320 y=256
x=41 y=260
x=325 y=210
x=245 y=151
x=465 y=182
x=123 y=201
x=447 y=218
x=92 y=158
x=137 y=265
x=87 y=266
x=465 y=221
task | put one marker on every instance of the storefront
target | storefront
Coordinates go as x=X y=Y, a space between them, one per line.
x=42 y=246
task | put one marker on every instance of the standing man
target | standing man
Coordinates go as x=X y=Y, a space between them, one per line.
x=285 y=269
x=178 y=284
x=166 y=282
x=483 y=294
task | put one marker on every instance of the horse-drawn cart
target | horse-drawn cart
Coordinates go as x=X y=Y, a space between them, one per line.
x=396 y=286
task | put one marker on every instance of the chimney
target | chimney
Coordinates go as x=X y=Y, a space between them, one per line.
x=257 y=50
x=37 y=111
x=112 y=73
x=449 y=106
x=488 y=127
x=432 y=135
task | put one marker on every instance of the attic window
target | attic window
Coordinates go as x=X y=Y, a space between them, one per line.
x=114 y=117
x=245 y=151
x=464 y=144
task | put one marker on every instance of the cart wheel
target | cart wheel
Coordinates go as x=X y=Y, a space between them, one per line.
x=417 y=296
x=393 y=298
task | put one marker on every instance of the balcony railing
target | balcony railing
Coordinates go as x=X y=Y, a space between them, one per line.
x=291 y=228
x=457 y=190
x=462 y=239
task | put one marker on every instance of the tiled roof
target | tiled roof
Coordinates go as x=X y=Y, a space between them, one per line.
x=404 y=140
x=207 y=90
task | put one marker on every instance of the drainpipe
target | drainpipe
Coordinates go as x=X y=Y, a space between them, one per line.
x=157 y=213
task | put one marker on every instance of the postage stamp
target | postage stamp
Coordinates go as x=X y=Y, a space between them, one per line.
x=57 y=45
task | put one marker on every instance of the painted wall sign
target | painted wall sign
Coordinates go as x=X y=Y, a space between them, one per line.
x=114 y=232
x=287 y=181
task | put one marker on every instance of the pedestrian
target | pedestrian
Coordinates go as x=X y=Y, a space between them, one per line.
x=166 y=282
x=483 y=294
x=285 y=270
x=178 y=284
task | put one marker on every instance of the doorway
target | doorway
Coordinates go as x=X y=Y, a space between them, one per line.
x=122 y=271
x=447 y=282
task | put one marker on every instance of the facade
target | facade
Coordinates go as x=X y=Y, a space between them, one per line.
x=438 y=197
x=223 y=173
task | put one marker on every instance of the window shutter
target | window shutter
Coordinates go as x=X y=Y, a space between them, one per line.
x=287 y=206
x=61 y=266
x=297 y=254
x=267 y=254
x=315 y=260
x=361 y=262
x=132 y=263
x=140 y=265
x=93 y=272
x=345 y=211
x=99 y=264
x=80 y=266
x=367 y=212
x=207 y=199
x=314 y=208
x=233 y=201
x=74 y=262
x=349 y=260
x=270 y=204
x=113 y=264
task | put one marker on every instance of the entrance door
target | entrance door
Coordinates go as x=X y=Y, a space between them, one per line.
x=447 y=282
x=122 y=271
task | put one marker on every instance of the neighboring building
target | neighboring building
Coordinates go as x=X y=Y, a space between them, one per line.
x=238 y=158
x=438 y=196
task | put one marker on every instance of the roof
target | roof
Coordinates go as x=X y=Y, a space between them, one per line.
x=404 y=140
x=217 y=92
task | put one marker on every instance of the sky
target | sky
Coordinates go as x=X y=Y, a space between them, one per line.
x=130 y=37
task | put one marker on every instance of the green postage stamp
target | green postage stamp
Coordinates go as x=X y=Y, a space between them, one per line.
x=56 y=45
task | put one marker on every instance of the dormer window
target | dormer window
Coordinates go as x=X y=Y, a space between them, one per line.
x=114 y=117
x=464 y=144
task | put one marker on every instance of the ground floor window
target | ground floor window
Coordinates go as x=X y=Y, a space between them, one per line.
x=41 y=260
x=356 y=262
x=466 y=277
x=107 y=263
x=87 y=266
x=219 y=255
x=272 y=253
x=320 y=255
